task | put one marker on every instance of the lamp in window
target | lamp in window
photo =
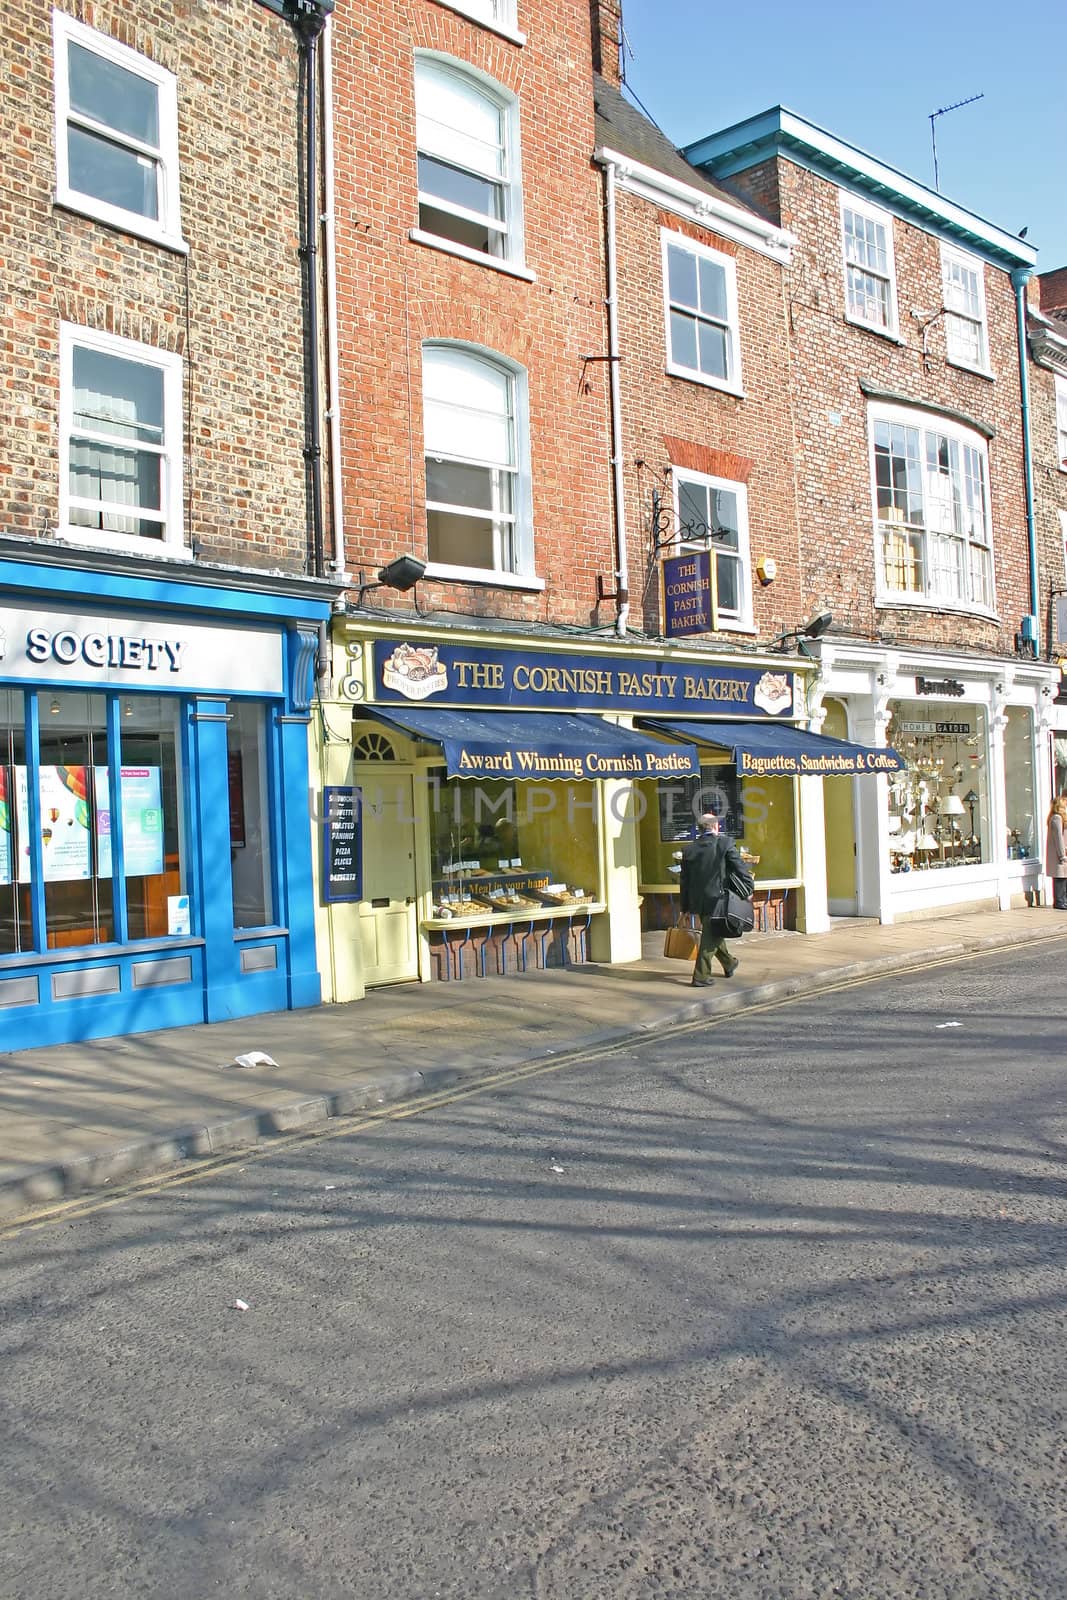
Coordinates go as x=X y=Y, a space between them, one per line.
x=54 y=708
x=402 y=574
x=925 y=845
x=811 y=630
x=971 y=799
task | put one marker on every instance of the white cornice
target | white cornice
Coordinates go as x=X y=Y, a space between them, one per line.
x=698 y=206
x=1048 y=349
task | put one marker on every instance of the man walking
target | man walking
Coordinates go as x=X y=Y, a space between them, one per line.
x=705 y=864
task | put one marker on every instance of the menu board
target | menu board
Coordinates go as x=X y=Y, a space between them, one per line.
x=342 y=876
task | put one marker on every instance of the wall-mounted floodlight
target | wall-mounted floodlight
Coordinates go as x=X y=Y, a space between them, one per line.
x=402 y=574
x=811 y=630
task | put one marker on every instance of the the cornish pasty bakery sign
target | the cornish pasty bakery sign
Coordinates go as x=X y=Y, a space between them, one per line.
x=467 y=675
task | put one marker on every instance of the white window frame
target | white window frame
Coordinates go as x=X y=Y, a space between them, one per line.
x=497 y=15
x=523 y=575
x=883 y=219
x=728 y=621
x=173 y=543
x=731 y=384
x=1061 y=422
x=950 y=256
x=512 y=251
x=925 y=537
x=166 y=230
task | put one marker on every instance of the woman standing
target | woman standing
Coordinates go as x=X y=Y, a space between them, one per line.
x=1056 y=852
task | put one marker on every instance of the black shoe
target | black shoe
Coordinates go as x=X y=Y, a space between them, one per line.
x=703 y=983
x=729 y=966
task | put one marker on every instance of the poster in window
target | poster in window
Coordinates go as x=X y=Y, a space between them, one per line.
x=142 y=822
x=235 y=774
x=683 y=799
x=65 y=823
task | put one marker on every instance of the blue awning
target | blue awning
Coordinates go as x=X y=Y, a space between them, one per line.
x=778 y=750
x=538 y=744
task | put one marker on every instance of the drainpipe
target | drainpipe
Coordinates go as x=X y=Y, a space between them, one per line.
x=333 y=379
x=1020 y=277
x=622 y=564
x=308 y=18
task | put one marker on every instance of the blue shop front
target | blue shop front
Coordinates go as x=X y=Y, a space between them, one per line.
x=155 y=845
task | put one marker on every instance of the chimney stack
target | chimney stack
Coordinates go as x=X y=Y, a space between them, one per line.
x=606 y=18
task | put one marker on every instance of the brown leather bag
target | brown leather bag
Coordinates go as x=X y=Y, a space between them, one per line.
x=682 y=942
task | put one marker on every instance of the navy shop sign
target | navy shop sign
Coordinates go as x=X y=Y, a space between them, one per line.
x=465 y=675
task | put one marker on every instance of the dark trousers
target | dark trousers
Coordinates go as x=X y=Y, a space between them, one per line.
x=712 y=944
x=1059 y=894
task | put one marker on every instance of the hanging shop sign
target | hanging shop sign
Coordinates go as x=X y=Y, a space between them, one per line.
x=342 y=876
x=468 y=675
x=87 y=649
x=688 y=595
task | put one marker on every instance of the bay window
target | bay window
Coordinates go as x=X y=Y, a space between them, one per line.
x=932 y=516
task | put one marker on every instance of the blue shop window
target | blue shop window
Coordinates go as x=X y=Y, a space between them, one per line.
x=16 y=915
x=250 y=841
x=106 y=788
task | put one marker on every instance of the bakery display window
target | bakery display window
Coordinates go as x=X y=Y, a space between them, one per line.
x=939 y=802
x=759 y=813
x=511 y=849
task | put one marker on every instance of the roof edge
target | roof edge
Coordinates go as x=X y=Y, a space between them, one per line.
x=779 y=131
x=697 y=205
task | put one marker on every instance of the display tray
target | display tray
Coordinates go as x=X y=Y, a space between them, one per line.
x=547 y=898
x=488 y=915
x=508 y=904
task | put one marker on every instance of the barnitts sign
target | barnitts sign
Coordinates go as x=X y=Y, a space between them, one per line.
x=468 y=675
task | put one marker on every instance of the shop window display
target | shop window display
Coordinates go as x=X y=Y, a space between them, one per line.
x=1019 y=784
x=16 y=927
x=759 y=814
x=511 y=849
x=75 y=812
x=939 y=803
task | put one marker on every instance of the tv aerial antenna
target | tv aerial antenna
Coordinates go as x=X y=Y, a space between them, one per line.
x=944 y=110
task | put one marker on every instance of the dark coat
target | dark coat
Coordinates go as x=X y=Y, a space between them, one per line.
x=705 y=864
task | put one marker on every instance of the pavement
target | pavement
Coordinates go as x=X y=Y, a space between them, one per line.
x=81 y=1117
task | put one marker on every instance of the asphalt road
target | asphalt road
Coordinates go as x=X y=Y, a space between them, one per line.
x=773 y=1308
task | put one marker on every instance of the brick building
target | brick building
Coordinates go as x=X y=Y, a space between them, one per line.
x=903 y=313
x=158 y=623
x=1047 y=333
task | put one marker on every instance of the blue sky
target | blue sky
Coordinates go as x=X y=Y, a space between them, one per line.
x=872 y=75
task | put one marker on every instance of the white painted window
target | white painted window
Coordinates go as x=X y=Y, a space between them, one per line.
x=932 y=515
x=712 y=514
x=700 y=304
x=1063 y=542
x=870 y=285
x=1061 y=422
x=963 y=288
x=120 y=420
x=467 y=135
x=476 y=435
x=497 y=14
x=116 y=133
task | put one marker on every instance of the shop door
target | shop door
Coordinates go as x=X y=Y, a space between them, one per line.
x=839 y=819
x=388 y=921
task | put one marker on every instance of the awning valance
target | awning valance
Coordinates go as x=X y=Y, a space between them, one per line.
x=777 y=749
x=538 y=745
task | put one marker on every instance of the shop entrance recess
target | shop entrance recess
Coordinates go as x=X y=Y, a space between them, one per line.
x=388 y=924
x=839 y=821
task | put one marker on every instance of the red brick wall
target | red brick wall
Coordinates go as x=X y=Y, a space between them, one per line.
x=1050 y=495
x=830 y=356
x=394 y=293
x=670 y=421
x=231 y=307
x=1052 y=289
